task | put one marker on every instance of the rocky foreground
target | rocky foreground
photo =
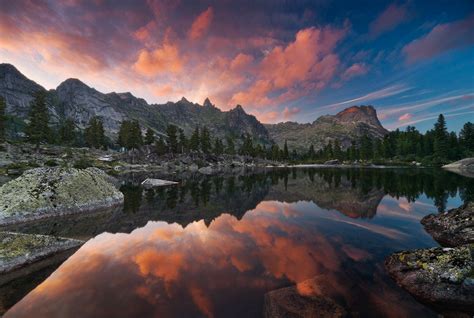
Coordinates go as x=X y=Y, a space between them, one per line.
x=45 y=192
x=452 y=228
x=442 y=277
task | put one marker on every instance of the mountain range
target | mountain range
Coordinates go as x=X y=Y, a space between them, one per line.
x=75 y=100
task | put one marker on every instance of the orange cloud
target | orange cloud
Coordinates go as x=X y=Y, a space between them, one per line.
x=162 y=60
x=201 y=25
x=241 y=61
x=290 y=112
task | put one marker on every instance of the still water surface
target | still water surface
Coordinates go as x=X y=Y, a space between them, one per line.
x=213 y=246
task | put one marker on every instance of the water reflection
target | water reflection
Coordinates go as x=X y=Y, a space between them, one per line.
x=222 y=243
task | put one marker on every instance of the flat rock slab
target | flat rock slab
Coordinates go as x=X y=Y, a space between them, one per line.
x=152 y=183
x=464 y=167
x=46 y=192
x=452 y=228
x=19 y=250
x=289 y=302
x=441 y=277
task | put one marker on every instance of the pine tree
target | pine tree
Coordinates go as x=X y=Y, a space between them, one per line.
x=194 y=141
x=160 y=146
x=149 y=136
x=230 y=149
x=3 y=119
x=135 y=138
x=183 y=142
x=205 y=140
x=441 y=139
x=172 y=132
x=311 y=154
x=94 y=133
x=285 y=151
x=466 y=138
x=366 y=148
x=337 y=150
x=37 y=129
x=218 y=147
x=67 y=132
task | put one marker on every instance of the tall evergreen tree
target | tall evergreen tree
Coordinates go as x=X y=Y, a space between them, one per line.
x=172 y=132
x=311 y=154
x=37 y=129
x=205 y=140
x=183 y=142
x=160 y=146
x=149 y=136
x=67 y=132
x=3 y=119
x=441 y=138
x=366 y=148
x=94 y=133
x=130 y=135
x=466 y=138
x=286 y=155
x=338 y=154
x=194 y=143
x=230 y=147
x=218 y=147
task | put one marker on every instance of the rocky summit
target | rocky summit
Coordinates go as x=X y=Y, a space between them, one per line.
x=45 y=192
x=346 y=126
x=75 y=100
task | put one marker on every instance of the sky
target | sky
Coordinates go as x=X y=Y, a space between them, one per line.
x=281 y=60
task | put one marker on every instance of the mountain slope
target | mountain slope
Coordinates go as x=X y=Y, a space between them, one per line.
x=346 y=126
x=75 y=100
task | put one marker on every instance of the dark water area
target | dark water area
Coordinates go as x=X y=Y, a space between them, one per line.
x=213 y=246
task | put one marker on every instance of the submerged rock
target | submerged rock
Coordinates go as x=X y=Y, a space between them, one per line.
x=452 y=228
x=293 y=302
x=45 y=192
x=18 y=250
x=441 y=277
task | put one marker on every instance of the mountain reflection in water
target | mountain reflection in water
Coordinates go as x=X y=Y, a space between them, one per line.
x=218 y=244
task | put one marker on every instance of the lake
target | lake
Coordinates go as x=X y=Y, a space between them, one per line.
x=213 y=246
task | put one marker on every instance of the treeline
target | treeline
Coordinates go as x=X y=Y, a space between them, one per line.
x=436 y=146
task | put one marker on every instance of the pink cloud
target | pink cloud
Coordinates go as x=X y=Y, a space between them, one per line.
x=405 y=117
x=442 y=38
x=391 y=17
x=201 y=25
x=241 y=61
x=290 y=112
x=354 y=70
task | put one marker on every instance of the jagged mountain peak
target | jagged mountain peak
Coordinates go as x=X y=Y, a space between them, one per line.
x=207 y=103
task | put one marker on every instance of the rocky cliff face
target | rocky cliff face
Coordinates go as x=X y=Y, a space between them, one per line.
x=346 y=126
x=74 y=99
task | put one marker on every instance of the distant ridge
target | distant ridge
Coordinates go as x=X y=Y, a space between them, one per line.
x=76 y=100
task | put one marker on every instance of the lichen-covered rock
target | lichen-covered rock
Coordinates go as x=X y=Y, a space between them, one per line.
x=441 y=277
x=18 y=250
x=292 y=302
x=452 y=228
x=464 y=167
x=45 y=192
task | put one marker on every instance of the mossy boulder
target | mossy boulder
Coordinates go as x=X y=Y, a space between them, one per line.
x=45 y=192
x=452 y=228
x=18 y=250
x=441 y=277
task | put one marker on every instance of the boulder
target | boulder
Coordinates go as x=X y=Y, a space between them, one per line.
x=151 y=183
x=18 y=250
x=452 y=228
x=440 y=277
x=46 y=192
x=332 y=162
x=302 y=300
x=464 y=167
